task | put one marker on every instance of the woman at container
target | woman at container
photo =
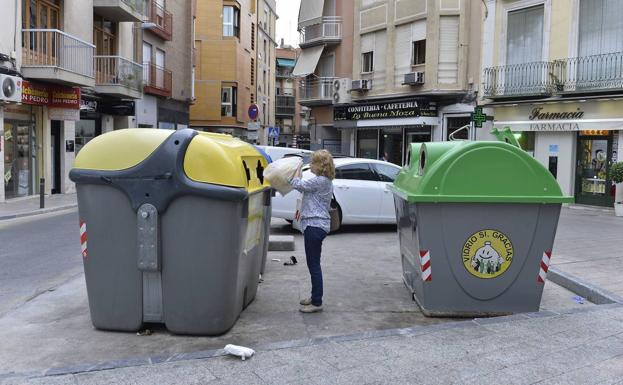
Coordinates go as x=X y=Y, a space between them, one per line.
x=315 y=220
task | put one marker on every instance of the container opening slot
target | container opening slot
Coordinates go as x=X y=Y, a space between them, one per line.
x=260 y=172
x=247 y=171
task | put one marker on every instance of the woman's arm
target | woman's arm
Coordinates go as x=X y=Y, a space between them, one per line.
x=308 y=185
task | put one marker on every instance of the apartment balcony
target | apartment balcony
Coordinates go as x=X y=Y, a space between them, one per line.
x=162 y=20
x=326 y=32
x=117 y=76
x=596 y=74
x=157 y=80
x=55 y=56
x=285 y=106
x=283 y=73
x=316 y=92
x=120 y=10
x=537 y=79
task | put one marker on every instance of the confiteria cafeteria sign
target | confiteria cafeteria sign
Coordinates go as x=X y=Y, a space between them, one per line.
x=405 y=109
x=538 y=114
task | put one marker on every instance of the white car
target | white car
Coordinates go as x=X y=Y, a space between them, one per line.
x=360 y=189
x=279 y=152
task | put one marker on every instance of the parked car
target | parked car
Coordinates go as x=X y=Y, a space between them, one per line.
x=360 y=191
x=279 y=152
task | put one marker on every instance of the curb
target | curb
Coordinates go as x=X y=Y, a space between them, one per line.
x=582 y=288
x=281 y=243
x=289 y=344
x=37 y=212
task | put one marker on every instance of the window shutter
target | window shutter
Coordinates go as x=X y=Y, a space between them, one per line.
x=448 y=67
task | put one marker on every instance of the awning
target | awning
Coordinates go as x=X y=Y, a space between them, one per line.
x=307 y=62
x=310 y=12
x=286 y=62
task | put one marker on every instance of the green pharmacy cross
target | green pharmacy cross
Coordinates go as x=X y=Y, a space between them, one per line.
x=478 y=117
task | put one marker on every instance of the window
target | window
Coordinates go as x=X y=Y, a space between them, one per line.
x=419 y=52
x=359 y=171
x=252 y=71
x=265 y=56
x=448 y=67
x=386 y=173
x=453 y=124
x=231 y=21
x=252 y=36
x=228 y=101
x=146 y=62
x=367 y=62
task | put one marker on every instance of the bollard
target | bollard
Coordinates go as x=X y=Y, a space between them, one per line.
x=42 y=193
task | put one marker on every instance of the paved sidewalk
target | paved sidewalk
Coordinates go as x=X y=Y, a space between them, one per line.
x=23 y=207
x=589 y=246
x=582 y=346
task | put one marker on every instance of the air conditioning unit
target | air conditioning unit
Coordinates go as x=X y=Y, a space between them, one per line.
x=341 y=91
x=10 y=89
x=414 y=78
x=361 y=85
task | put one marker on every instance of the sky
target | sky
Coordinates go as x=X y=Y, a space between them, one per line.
x=288 y=12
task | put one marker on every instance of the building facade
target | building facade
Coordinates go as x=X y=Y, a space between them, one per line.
x=326 y=42
x=552 y=73
x=407 y=71
x=266 y=68
x=290 y=116
x=168 y=62
x=80 y=68
x=226 y=66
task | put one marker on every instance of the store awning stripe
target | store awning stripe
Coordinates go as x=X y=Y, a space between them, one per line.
x=286 y=62
x=310 y=12
x=307 y=62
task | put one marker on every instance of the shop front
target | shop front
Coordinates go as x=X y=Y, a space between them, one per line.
x=385 y=130
x=20 y=150
x=577 y=141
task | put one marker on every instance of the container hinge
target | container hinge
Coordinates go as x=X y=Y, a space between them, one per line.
x=149 y=262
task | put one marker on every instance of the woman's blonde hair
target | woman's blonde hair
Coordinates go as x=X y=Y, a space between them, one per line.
x=323 y=161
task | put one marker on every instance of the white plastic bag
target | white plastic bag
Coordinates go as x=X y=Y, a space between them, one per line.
x=240 y=351
x=279 y=173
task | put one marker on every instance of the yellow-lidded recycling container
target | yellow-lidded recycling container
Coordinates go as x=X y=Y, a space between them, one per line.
x=173 y=228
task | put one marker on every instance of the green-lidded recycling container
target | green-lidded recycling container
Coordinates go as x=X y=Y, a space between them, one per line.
x=476 y=223
x=173 y=228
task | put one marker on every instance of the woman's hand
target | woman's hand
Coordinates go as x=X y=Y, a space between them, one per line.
x=299 y=171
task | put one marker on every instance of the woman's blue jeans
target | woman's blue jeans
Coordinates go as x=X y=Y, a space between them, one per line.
x=313 y=247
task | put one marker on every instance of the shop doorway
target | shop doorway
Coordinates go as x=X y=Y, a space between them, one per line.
x=18 y=163
x=594 y=158
x=56 y=157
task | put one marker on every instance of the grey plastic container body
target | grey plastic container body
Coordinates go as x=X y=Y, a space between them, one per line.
x=442 y=229
x=210 y=244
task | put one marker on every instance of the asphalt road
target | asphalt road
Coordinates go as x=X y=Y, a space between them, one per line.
x=36 y=255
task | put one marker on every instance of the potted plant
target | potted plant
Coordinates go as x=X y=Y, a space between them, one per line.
x=616 y=175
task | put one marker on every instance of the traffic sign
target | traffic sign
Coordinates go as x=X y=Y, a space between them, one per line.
x=254 y=111
x=273 y=132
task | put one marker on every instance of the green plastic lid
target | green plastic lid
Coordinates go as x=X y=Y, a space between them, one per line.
x=466 y=171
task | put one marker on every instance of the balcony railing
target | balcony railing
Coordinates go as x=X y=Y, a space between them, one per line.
x=317 y=91
x=329 y=30
x=157 y=80
x=527 y=79
x=283 y=73
x=580 y=75
x=162 y=18
x=118 y=71
x=56 y=49
x=285 y=105
x=597 y=73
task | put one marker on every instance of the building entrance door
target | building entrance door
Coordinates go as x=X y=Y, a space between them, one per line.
x=56 y=157
x=18 y=167
x=594 y=158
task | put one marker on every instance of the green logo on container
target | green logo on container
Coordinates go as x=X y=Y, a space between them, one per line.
x=487 y=253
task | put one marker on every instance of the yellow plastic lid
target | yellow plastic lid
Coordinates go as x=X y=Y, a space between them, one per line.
x=224 y=160
x=120 y=150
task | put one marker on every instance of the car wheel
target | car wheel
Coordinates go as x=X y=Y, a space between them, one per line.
x=336 y=216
